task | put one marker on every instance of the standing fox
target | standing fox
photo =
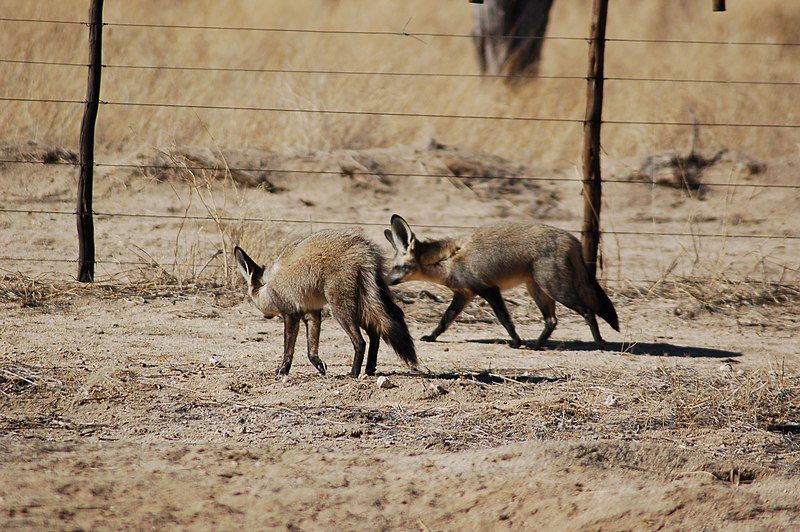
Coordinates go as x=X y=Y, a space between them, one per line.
x=338 y=267
x=546 y=259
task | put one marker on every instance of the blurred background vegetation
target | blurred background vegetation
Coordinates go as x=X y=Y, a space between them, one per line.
x=437 y=43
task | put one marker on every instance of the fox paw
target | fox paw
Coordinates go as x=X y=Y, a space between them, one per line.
x=428 y=338
x=320 y=365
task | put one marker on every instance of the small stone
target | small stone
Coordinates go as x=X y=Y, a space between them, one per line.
x=725 y=368
x=610 y=400
x=384 y=383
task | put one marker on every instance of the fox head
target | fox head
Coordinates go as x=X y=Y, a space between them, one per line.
x=254 y=275
x=418 y=260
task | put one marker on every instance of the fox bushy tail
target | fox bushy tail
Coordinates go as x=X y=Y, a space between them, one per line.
x=592 y=293
x=605 y=309
x=396 y=332
x=382 y=314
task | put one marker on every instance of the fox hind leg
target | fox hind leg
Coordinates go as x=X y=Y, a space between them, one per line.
x=359 y=346
x=313 y=321
x=372 y=353
x=353 y=331
x=591 y=320
x=547 y=305
x=495 y=299
x=460 y=300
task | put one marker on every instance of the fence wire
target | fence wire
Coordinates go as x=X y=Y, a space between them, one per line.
x=404 y=32
x=379 y=73
x=279 y=170
x=318 y=221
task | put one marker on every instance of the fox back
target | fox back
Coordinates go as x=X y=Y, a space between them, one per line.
x=321 y=267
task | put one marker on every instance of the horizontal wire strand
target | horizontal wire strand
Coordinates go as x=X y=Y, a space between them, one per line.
x=389 y=114
x=394 y=33
x=387 y=174
x=376 y=224
x=170 y=264
x=406 y=74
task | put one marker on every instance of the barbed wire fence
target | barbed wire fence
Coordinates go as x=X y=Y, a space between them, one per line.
x=144 y=103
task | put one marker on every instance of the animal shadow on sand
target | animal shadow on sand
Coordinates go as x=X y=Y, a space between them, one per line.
x=641 y=348
x=494 y=376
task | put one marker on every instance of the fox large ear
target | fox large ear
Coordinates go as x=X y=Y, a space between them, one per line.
x=402 y=236
x=390 y=238
x=250 y=270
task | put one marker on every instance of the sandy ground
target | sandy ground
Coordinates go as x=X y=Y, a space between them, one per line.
x=148 y=399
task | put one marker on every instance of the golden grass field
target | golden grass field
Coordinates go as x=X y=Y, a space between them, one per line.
x=554 y=144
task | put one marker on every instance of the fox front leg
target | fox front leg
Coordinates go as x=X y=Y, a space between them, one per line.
x=313 y=322
x=291 y=325
x=495 y=299
x=460 y=300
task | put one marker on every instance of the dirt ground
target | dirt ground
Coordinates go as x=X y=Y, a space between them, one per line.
x=147 y=400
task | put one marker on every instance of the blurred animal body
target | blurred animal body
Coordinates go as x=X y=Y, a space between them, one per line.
x=341 y=268
x=547 y=260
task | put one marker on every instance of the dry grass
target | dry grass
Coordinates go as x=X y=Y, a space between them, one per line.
x=32 y=292
x=681 y=397
x=553 y=144
x=717 y=293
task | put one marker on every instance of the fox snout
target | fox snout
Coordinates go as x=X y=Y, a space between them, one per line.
x=400 y=273
x=394 y=277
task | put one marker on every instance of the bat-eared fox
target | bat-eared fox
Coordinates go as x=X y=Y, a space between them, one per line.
x=343 y=269
x=547 y=260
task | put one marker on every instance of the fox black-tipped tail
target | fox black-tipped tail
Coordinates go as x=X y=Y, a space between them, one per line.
x=606 y=308
x=396 y=334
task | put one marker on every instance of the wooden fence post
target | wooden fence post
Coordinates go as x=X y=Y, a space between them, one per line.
x=592 y=182
x=84 y=210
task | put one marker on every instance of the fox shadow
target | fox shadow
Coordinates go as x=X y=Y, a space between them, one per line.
x=656 y=349
x=498 y=376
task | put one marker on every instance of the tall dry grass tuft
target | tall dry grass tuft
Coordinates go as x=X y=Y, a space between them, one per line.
x=550 y=143
x=732 y=397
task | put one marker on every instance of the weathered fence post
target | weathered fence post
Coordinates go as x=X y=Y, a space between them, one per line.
x=592 y=182
x=84 y=210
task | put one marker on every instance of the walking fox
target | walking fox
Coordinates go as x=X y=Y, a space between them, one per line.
x=338 y=267
x=547 y=260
